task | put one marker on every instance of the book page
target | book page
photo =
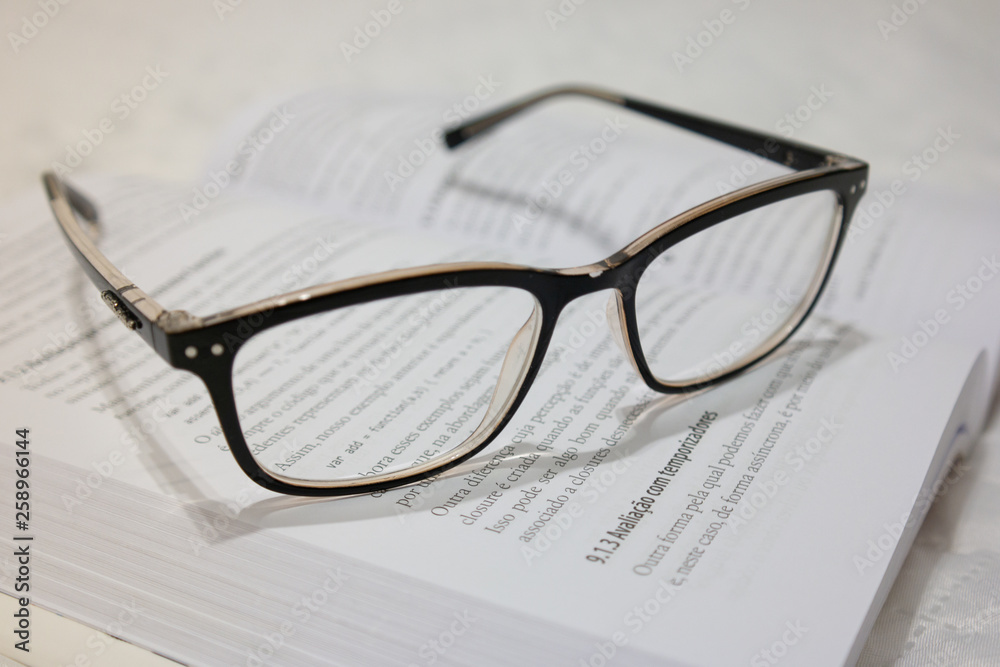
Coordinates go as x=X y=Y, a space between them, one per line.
x=574 y=181
x=567 y=184
x=640 y=516
x=923 y=269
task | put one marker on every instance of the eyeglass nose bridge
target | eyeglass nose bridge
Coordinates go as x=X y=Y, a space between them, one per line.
x=620 y=279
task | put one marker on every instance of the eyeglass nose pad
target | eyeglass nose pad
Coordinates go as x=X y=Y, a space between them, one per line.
x=513 y=370
x=615 y=313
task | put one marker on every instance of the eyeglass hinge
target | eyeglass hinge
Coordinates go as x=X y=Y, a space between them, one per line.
x=127 y=317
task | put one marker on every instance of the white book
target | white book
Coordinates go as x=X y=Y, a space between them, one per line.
x=763 y=519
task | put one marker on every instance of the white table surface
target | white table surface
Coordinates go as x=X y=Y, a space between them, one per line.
x=891 y=91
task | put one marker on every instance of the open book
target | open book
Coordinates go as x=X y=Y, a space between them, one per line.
x=796 y=488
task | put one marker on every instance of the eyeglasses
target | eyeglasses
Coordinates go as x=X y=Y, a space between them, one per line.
x=382 y=381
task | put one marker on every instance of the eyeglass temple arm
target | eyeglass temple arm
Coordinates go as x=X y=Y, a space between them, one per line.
x=789 y=153
x=136 y=309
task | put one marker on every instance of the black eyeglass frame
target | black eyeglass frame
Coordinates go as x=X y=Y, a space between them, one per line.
x=207 y=346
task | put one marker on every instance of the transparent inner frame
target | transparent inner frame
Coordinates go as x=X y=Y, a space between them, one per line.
x=383 y=390
x=728 y=295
